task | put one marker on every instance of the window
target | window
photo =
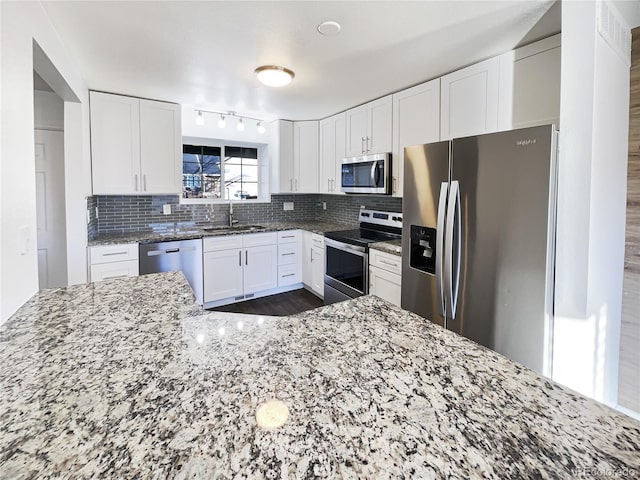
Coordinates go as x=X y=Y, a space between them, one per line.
x=225 y=172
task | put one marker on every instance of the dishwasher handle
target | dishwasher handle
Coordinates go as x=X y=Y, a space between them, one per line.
x=153 y=253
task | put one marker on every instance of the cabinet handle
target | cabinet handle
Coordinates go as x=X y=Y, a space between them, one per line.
x=296 y=181
x=368 y=149
x=113 y=276
x=113 y=253
x=144 y=182
x=388 y=263
x=135 y=182
x=362 y=144
x=291 y=253
x=239 y=258
x=288 y=275
x=288 y=236
x=328 y=185
x=246 y=257
x=395 y=189
x=312 y=255
x=291 y=184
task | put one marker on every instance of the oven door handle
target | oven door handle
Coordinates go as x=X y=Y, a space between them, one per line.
x=346 y=247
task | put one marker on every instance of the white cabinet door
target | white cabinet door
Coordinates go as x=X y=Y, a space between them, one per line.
x=115 y=144
x=536 y=84
x=260 y=268
x=357 y=130
x=307 y=247
x=380 y=125
x=317 y=268
x=306 y=156
x=469 y=100
x=416 y=120
x=223 y=274
x=332 y=145
x=281 y=148
x=160 y=147
x=385 y=285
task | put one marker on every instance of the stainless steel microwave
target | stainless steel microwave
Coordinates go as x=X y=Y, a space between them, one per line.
x=367 y=174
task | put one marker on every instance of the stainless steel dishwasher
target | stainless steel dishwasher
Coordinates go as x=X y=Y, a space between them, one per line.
x=184 y=255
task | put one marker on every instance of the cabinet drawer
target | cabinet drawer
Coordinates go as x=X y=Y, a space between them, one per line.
x=227 y=242
x=288 y=253
x=289 y=275
x=114 y=253
x=289 y=236
x=258 y=239
x=317 y=240
x=104 y=271
x=385 y=261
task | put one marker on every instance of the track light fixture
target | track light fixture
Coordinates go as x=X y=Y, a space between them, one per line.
x=222 y=121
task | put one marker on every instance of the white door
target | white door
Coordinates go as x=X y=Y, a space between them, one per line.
x=357 y=121
x=50 y=209
x=416 y=120
x=306 y=156
x=223 y=274
x=160 y=147
x=378 y=139
x=260 y=268
x=470 y=100
x=115 y=144
x=284 y=158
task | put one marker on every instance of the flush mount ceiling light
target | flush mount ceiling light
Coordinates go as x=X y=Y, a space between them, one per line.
x=329 y=28
x=274 y=76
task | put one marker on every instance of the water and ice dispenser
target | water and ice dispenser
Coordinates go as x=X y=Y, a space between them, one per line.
x=423 y=248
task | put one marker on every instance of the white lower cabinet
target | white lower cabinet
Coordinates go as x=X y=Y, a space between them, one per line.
x=313 y=263
x=385 y=276
x=113 y=261
x=240 y=267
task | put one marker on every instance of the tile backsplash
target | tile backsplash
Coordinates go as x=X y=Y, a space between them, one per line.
x=128 y=213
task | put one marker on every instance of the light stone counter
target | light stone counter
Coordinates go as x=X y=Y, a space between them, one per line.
x=128 y=379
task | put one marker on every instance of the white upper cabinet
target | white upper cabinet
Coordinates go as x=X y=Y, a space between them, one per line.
x=305 y=156
x=332 y=151
x=115 y=144
x=469 y=100
x=160 y=147
x=135 y=145
x=416 y=120
x=536 y=84
x=281 y=148
x=369 y=127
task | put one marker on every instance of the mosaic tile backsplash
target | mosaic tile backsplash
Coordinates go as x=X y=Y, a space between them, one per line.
x=117 y=214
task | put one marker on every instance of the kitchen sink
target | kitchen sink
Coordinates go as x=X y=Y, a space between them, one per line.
x=226 y=228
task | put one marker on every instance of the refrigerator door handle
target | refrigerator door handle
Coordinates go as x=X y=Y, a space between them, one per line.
x=442 y=205
x=452 y=250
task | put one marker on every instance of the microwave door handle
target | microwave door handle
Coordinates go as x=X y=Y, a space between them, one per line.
x=376 y=175
x=373 y=173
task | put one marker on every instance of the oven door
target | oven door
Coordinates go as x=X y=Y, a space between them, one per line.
x=346 y=268
x=365 y=174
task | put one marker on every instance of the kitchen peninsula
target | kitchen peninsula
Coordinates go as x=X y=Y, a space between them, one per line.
x=128 y=378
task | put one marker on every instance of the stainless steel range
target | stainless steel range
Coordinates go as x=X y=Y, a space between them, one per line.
x=347 y=254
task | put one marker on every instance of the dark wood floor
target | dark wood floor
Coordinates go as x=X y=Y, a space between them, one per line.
x=288 y=303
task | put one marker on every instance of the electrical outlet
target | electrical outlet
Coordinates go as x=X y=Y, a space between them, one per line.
x=96 y=212
x=324 y=205
x=287 y=206
x=166 y=209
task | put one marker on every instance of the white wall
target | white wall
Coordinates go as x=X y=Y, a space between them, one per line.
x=21 y=24
x=591 y=207
x=48 y=111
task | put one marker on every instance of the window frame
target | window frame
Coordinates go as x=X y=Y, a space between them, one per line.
x=264 y=194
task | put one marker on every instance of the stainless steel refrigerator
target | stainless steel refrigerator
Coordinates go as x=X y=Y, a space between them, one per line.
x=478 y=239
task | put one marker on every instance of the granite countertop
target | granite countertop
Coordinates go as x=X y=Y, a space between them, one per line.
x=194 y=231
x=127 y=378
x=394 y=247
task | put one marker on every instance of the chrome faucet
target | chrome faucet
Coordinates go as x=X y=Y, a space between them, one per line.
x=231 y=219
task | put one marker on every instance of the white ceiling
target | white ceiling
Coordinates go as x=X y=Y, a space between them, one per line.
x=204 y=53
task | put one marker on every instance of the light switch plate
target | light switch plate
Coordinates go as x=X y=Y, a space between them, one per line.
x=288 y=205
x=166 y=209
